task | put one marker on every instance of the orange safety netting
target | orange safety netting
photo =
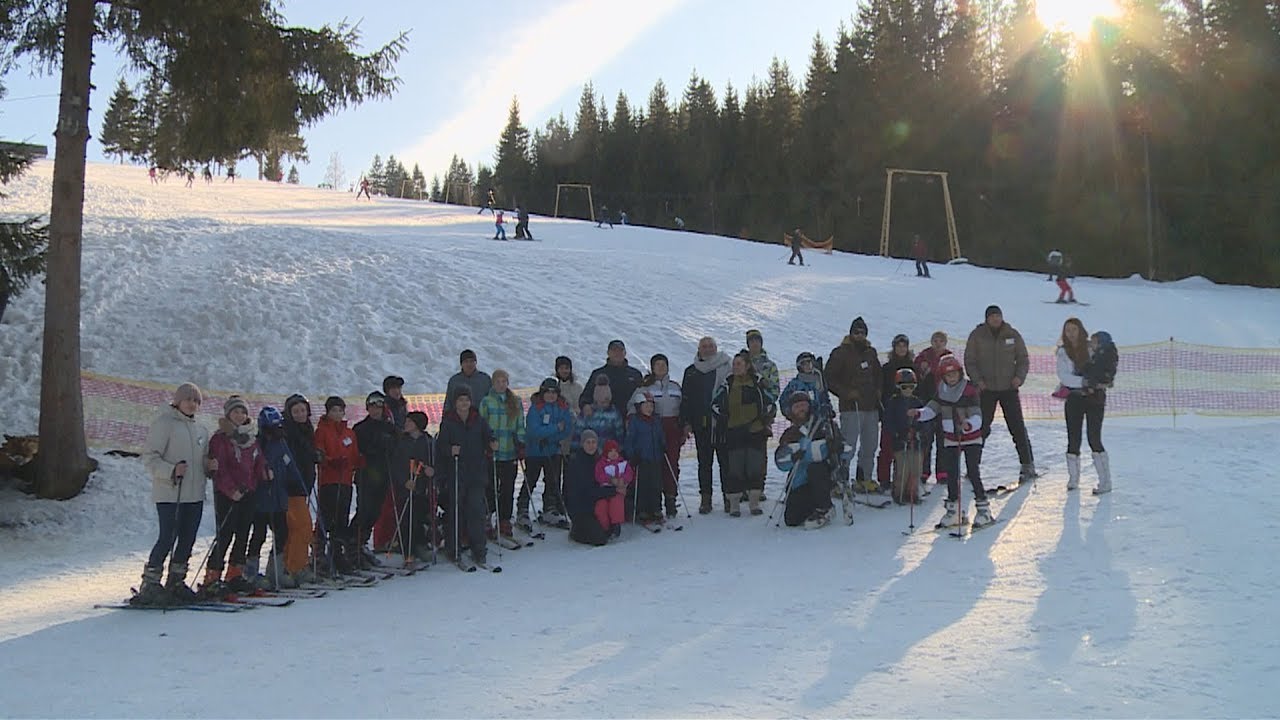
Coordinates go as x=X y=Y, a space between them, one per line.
x=1168 y=378
x=823 y=246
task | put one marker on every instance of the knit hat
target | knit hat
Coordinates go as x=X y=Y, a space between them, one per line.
x=858 y=324
x=753 y=333
x=334 y=401
x=419 y=418
x=564 y=360
x=611 y=445
x=466 y=355
x=391 y=381
x=588 y=435
x=993 y=310
x=187 y=391
x=900 y=338
x=949 y=363
x=233 y=402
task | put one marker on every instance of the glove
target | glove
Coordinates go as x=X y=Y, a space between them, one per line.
x=520 y=451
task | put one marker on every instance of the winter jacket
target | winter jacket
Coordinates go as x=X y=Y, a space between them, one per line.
x=546 y=427
x=667 y=397
x=395 y=411
x=408 y=450
x=623 y=381
x=606 y=423
x=904 y=430
x=853 y=374
x=918 y=250
x=819 y=398
x=508 y=430
x=801 y=446
x=272 y=495
x=608 y=472
x=240 y=467
x=1068 y=375
x=701 y=379
x=956 y=405
x=302 y=443
x=376 y=438
x=926 y=367
x=581 y=491
x=767 y=371
x=341 y=452
x=171 y=439
x=743 y=412
x=889 y=369
x=478 y=383
x=1100 y=371
x=473 y=436
x=993 y=358
x=645 y=441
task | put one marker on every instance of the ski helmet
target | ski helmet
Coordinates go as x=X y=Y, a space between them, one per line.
x=904 y=376
x=551 y=384
x=949 y=363
x=806 y=355
x=269 y=417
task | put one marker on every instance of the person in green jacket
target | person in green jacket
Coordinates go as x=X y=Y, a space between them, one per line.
x=504 y=414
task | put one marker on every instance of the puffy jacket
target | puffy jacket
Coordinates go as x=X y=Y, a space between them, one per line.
x=745 y=398
x=171 y=439
x=767 y=371
x=701 y=380
x=508 y=430
x=967 y=407
x=376 y=438
x=473 y=437
x=342 y=458
x=667 y=397
x=993 y=358
x=608 y=472
x=904 y=430
x=606 y=423
x=546 y=427
x=302 y=443
x=804 y=445
x=807 y=383
x=853 y=374
x=240 y=467
x=645 y=441
x=1068 y=375
x=272 y=495
x=408 y=450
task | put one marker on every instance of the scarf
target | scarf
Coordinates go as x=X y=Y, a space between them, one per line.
x=719 y=362
x=951 y=393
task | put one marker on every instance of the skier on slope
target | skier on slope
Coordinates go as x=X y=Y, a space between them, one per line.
x=1062 y=275
x=793 y=241
x=339 y=458
x=1054 y=258
x=500 y=232
x=412 y=476
x=395 y=409
x=364 y=189
x=958 y=404
x=490 y=204
x=522 y=223
x=921 y=254
x=806 y=452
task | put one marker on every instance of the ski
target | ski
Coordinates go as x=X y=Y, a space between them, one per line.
x=974 y=528
x=374 y=574
x=465 y=565
x=655 y=529
x=206 y=606
x=876 y=505
x=490 y=568
x=265 y=600
x=298 y=592
x=508 y=543
x=1074 y=302
x=403 y=571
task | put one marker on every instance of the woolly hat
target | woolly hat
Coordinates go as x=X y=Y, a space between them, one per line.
x=588 y=435
x=419 y=418
x=551 y=384
x=187 y=391
x=753 y=333
x=858 y=324
x=611 y=445
x=993 y=310
x=334 y=401
x=233 y=402
x=466 y=355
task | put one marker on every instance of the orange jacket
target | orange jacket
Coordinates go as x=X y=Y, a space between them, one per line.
x=341 y=453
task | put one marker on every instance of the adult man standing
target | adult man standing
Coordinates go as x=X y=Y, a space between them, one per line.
x=995 y=359
x=793 y=241
x=476 y=381
x=623 y=379
x=853 y=374
x=709 y=370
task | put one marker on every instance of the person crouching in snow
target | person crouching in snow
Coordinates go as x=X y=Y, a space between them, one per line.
x=613 y=469
x=582 y=492
x=271 y=501
x=958 y=404
x=645 y=447
x=905 y=437
x=804 y=453
x=241 y=467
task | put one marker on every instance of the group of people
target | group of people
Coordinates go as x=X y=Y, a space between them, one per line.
x=605 y=450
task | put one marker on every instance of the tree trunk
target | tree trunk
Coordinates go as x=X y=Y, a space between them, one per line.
x=64 y=461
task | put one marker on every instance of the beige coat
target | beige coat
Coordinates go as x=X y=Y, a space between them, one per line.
x=993 y=360
x=173 y=438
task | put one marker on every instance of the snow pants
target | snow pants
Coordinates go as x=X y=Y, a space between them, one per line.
x=1065 y=293
x=814 y=494
x=611 y=511
x=950 y=461
x=1011 y=406
x=861 y=430
x=235 y=520
x=465 y=516
x=646 y=496
x=300 y=529
x=922 y=268
x=334 y=518
x=673 y=434
x=371 y=487
x=548 y=470
x=179 y=525
x=743 y=468
x=505 y=500
x=278 y=523
x=708 y=454
x=384 y=531
x=1087 y=411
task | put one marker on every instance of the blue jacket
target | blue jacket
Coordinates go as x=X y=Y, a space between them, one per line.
x=545 y=426
x=606 y=423
x=800 y=447
x=645 y=441
x=272 y=496
x=818 y=400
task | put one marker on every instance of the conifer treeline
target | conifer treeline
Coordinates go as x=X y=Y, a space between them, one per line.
x=1045 y=137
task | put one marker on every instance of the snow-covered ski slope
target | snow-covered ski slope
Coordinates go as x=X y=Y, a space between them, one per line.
x=1149 y=602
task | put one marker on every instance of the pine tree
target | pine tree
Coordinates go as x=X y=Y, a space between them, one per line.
x=513 y=170
x=299 y=75
x=377 y=176
x=123 y=127
x=394 y=178
x=418 y=182
x=586 y=148
x=293 y=175
x=22 y=243
x=437 y=194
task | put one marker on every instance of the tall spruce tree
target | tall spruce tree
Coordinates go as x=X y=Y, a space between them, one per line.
x=22 y=242
x=124 y=131
x=513 y=170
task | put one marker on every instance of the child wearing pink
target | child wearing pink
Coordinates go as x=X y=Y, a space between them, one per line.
x=613 y=469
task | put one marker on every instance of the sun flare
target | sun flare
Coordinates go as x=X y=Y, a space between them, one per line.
x=1074 y=16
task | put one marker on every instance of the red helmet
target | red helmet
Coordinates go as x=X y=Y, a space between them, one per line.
x=949 y=363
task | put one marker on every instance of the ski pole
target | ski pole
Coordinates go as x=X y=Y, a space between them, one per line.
x=457 y=540
x=209 y=552
x=399 y=519
x=786 y=491
x=679 y=491
x=497 y=508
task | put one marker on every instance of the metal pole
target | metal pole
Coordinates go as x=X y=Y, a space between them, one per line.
x=1146 y=161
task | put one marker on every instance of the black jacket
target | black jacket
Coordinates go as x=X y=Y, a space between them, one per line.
x=376 y=439
x=302 y=446
x=698 y=388
x=474 y=437
x=623 y=381
x=581 y=491
x=408 y=449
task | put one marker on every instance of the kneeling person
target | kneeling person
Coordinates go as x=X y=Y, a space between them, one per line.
x=804 y=452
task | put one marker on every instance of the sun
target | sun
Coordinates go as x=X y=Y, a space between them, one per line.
x=1074 y=16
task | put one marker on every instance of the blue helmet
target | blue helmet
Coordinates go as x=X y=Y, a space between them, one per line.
x=269 y=417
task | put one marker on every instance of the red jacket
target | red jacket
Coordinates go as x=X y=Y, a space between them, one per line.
x=341 y=452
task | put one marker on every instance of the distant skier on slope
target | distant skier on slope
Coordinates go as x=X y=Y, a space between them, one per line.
x=1062 y=275
x=364 y=189
x=490 y=203
x=522 y=223
x=500 y=232
x=793 y=241
x=921 y=253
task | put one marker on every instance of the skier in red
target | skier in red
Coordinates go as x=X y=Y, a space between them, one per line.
x=501 y=232
x=1062 y=274
x=921 y=254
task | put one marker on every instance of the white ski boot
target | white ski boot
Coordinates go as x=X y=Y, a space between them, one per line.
x=952 y=517
x=982 y=514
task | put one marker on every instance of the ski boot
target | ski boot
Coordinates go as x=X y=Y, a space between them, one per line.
x=236 y=582
x=524 y=523
x=177 y=584
x=818 y=519
x=952 y=517
x=151 y=593
x=982 y=514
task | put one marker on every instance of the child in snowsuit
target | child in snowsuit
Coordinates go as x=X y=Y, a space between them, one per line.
x=601 y=416
x=272 y=502
x=614 y=470
x=547 y=425
x=463 y=447
x=582 y=493
x=900 y=357
x=808 y=380
x=905 y=437
x=958 y=404
x=300 y=435
x=241 y=466
x=805 y=453
x=1062 y=275
x=645 y=447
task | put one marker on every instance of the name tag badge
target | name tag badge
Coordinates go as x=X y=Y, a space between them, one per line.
x=864 y=364
x=1008 y=341
x=546 y=419
x=346 y=442
x=287 y=459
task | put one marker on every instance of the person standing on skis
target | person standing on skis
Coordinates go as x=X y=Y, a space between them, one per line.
x=996 y=361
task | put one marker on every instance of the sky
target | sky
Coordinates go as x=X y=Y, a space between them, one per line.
x=463 y=66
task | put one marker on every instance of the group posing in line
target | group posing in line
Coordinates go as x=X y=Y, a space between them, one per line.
x=606 y=451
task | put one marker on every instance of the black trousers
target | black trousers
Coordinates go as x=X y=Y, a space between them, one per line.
x=548 y=469
x=922 y=268
x=372 y=487
x=469 y=509
x=235 y=518
x=506 y=498
x=815 y=494
x=1011 y=406
x=335 y=513
x=707 y=454
x=278 y=523
x=1087 y=411
x=950 y=464
x=795 y=254
x=586 y=530
x=648 y=489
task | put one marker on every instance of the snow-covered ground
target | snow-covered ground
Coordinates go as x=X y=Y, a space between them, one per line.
x=1152 y=601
